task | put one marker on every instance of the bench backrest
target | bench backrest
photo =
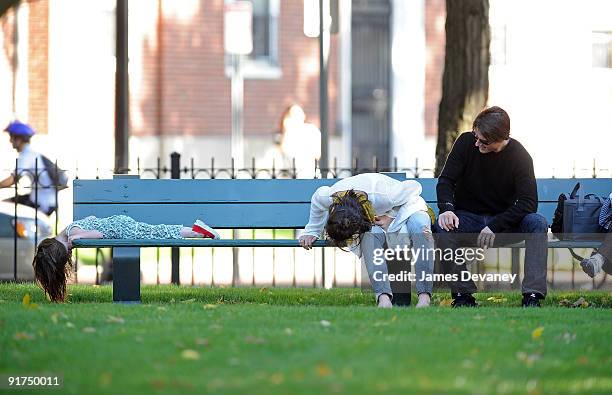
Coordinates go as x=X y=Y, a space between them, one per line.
x=549 y=190
x=250 y=204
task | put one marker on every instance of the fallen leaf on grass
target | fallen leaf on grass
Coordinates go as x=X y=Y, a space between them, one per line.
x=323 y=370
x=23 y=336
x=537 y=332
x=582 y=360
x=581 y=302
x=190 y=354
x=394 y=318
x=89 y=329
x=26 y=302
x=446 y=302
x=114 y=319
x=565 y=303
x=210 y=306
x=497 y=299
x=105 y=379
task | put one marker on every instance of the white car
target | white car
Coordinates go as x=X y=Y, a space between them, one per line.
x=25 y=228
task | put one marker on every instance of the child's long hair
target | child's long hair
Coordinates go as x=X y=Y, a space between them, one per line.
x=52 y=266
x=350 y=216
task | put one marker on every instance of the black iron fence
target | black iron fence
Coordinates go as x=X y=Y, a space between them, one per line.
x=27 y=230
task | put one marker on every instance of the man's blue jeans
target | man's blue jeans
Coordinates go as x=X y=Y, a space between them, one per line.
x=533 y=229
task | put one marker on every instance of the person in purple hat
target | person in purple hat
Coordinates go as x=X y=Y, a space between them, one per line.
x=42 y=196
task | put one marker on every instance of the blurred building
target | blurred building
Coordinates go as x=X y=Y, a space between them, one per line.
x=551 y=69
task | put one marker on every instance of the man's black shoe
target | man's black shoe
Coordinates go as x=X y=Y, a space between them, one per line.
x=463 y=300
x=532 y=300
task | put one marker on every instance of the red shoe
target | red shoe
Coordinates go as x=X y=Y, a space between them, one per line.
x=205 y=230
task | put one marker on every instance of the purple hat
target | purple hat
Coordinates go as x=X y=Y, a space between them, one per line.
x=19 y=129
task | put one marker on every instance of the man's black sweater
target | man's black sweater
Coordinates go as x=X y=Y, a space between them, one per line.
x=501 y=184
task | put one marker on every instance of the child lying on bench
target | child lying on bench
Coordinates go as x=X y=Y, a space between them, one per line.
x=52 y=261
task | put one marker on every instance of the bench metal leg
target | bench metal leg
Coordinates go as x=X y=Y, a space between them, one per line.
x=516 y=254
x=401 y=289
x=126 y=275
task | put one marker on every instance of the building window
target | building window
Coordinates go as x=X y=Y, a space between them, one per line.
x=602 y=49
x=265 y=35
x=263 y=61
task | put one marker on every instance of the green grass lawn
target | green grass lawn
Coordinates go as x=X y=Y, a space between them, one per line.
x=292 y=341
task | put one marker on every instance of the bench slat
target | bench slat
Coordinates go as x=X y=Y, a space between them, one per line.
x=200 y=191
x=259 y=191
x=549 y=189
x=195 y=191
x=222 y=215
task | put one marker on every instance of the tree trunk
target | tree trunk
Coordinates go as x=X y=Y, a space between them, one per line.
x=465 y=85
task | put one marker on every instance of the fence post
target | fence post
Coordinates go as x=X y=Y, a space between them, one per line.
x=15 y=221
x=56 y=188
x=36 y=205
x=175 y=173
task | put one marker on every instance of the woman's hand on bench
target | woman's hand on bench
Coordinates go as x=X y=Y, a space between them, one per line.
x=83 y=234
x=307 y=241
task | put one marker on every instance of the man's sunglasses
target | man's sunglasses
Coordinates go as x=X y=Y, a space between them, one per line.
x=481 y=141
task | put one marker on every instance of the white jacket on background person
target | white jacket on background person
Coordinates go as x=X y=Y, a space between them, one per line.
x=396 y=199
x=44 y=193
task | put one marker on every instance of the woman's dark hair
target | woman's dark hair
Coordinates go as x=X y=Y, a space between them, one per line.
x=493 y=123
x=347 y=219
x=52 y=267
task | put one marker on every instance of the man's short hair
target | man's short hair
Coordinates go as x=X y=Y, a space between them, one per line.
x=25 y=139
x=493 y=123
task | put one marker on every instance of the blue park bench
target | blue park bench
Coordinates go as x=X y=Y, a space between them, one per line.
x=240 y=204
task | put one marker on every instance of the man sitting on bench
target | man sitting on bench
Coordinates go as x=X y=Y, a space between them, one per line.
x=488 y=187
